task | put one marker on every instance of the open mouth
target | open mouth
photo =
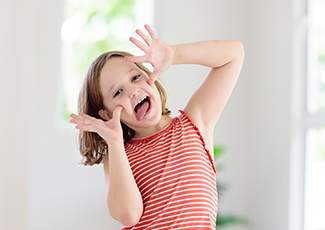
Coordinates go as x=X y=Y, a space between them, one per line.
x=142 y=107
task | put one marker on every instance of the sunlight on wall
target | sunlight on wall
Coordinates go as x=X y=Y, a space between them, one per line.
x=92 y=28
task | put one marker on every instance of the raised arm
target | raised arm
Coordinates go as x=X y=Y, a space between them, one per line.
x=225 y=58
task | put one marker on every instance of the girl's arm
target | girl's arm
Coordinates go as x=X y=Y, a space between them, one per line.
x=124 y=200
x=225 y=57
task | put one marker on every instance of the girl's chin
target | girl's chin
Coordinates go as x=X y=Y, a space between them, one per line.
x=149 y=121
x=151 y=118
x=146 y=122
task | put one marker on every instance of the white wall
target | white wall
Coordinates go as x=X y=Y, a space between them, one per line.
x=41 y=185
x=255 y=126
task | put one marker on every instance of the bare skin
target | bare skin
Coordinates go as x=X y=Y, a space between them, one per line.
x=224 y=57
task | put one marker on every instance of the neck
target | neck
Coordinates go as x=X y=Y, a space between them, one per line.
x=146 y=132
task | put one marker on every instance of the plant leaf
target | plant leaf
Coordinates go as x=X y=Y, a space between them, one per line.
x=218 y=150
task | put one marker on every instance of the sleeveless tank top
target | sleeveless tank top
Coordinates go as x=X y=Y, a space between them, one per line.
x=176 y=177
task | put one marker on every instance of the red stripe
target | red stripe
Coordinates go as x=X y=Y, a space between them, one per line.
x=176 y=177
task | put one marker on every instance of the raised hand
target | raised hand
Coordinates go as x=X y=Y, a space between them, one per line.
x=158 y=53
x=109 y=130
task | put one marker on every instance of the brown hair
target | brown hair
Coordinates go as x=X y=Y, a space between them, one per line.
x=92 y=147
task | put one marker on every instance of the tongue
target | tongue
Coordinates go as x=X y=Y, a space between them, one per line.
x=142 y=110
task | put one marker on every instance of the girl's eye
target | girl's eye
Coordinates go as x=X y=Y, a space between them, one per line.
x=135 y=78
x=117 y=93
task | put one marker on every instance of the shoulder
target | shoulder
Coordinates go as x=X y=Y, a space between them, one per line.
x=204 y=128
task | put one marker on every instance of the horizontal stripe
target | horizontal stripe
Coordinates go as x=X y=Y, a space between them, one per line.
x=176 y=177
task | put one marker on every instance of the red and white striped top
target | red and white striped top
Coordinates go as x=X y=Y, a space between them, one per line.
x=176 y=177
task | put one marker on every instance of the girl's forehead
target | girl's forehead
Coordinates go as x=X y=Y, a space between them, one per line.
x=116 y=68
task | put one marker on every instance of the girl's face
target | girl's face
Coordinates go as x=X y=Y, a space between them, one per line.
x=124 y=84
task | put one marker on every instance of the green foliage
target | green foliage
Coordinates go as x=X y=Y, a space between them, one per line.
x=91 y=28
x=225 y=220
x=65 y=111
x=97 y=33
x=218 y=150
x=230 y=220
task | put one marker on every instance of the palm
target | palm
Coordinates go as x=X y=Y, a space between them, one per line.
x=109 y=130
x=158 y=53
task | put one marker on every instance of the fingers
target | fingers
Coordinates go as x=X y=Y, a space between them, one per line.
x=117 y=113
x=86 y=116
x=153 y=77
x=80 y=123
x=72 y=115
x=144 y=37
x=151 y=32
x=108 y=130
x=136 y=59
x=83 y=121
x=151 y=81
x=75 y=119
x=144 y=47
x=139 y=44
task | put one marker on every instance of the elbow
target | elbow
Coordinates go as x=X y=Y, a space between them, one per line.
x=126 y=209
x=236 y=49
x=130 y=219
x=240 y=49
x=127 y=218
x=238 y=53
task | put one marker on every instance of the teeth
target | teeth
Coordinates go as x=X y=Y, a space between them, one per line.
x=139 y=103
x=142 y=100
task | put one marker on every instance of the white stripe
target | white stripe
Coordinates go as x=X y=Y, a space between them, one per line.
x=154 y=201
x=169 y=183
x=149 y=158
x=184 y=218
x=196 y=205
x=176 y=167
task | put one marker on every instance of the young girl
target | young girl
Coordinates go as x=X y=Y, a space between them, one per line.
x=159 y=170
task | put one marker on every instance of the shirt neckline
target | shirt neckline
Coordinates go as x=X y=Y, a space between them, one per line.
x=159 y=133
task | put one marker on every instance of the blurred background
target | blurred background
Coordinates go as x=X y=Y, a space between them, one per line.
x=272 y=129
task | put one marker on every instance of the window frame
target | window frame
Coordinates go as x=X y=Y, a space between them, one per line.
x=302 y=120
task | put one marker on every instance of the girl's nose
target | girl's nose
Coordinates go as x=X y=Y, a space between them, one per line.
x=133 y=92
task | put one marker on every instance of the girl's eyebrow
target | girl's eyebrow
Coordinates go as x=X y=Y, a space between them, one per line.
x=133 y=69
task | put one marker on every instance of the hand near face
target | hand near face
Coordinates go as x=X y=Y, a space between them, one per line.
x=158 y=53
x=110 y=130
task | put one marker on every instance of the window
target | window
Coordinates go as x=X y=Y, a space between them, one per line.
x=91 y=28
x=315 y=179
x=307 y=164
x=316 y=56
x=314 y=196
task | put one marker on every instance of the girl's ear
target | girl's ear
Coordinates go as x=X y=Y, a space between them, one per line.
x=104 y=114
